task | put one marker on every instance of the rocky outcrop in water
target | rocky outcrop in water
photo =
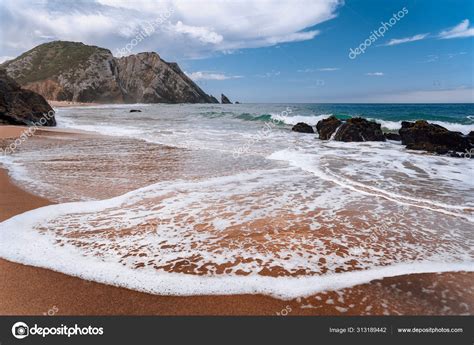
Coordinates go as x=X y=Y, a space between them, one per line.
x=302 y=127
x=421 y=135
x=392 y=136
x=327 y=127
x=359 y=129
x=72 y=71
x=225 y=100
x=22 y=107
x=470 y=136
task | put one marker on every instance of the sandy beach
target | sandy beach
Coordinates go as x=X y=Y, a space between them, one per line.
x=26 y=290
x=66 y=104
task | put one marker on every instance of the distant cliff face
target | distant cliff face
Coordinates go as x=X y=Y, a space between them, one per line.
x=71 y=71
x=146 y=78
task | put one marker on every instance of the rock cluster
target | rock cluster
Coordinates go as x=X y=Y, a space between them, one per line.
x=354 y=129
x=419 y=135
x=327 y=127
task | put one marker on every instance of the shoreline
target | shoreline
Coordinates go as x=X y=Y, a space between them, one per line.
x=67 y=104
x=46 y=289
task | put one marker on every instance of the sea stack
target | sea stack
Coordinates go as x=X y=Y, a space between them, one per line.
x=225 y=100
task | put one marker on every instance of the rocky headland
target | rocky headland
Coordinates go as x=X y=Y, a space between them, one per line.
x=73 y=71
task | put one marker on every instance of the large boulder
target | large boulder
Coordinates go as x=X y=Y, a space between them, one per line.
x=359 y=129
x=22 y=107
x=470 y=136
x=302 y=128
x=392 y=136
x=421 y=135
x=326 y=127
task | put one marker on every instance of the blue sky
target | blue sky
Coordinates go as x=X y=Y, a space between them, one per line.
x=275 y=51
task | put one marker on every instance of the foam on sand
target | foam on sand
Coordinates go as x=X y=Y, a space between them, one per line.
x=245 y=233
x=312 y=163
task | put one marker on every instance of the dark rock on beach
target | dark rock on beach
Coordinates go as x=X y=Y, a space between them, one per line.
x=392 y=136
x=470 y=137
x=22 y=107
x=225 y=100
x=302 y=127
x=421 y=135
x=455 y=154
x=359 y=129
x=326 y=127
x=135 y=111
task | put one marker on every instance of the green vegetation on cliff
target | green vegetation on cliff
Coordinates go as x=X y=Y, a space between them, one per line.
x=52 y=59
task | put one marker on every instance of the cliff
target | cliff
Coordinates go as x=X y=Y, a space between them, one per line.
x=72 y=71
x=22 y=107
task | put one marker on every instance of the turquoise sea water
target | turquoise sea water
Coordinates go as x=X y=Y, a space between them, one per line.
x=452 y=116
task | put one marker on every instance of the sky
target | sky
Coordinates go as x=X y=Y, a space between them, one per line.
x=271 y=50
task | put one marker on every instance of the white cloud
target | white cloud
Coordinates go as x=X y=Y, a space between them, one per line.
x=202 y=75
x=432 y=58
x=201 y=33
x=375 y=74
x=396 y=41
x=194 y=28
x=312 y=70
x=293 y=37
x=460 y=30
x=451 y=55
x=269 y=74
x=328 y=69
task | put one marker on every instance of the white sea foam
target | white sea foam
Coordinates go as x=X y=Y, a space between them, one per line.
x=209 y=223
x=294 y=119
x=458 y=127
x=72 y=262
x=381 y=160
x=323 y=207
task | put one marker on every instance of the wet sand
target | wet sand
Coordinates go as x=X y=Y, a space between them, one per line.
x=65 y=104
x=26 y=290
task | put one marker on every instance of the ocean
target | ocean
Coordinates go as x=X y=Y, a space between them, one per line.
x=220 y=199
